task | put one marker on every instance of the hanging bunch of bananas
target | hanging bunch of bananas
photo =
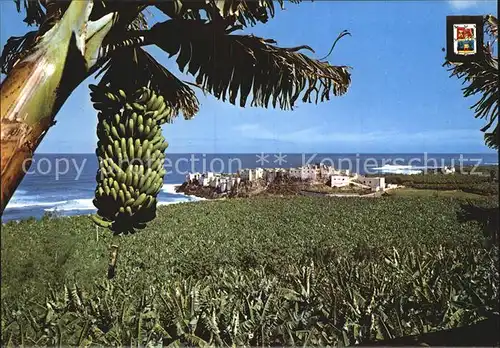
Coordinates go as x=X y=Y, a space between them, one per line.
x=131 y=154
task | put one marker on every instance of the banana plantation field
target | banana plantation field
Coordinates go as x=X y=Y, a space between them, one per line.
x=262 y=271
x=486 y=185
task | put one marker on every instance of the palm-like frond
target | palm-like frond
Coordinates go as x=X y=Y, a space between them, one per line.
x=140 y=22
x=234 y=12
x=131 y=14
x=14 y=49
x=34 y=12
x=491 y=26
x=481 y=78
x=134 y=67
x=226 y=65
x=491 y=139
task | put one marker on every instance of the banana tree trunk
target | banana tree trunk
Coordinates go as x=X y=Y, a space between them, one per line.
x=37 y=87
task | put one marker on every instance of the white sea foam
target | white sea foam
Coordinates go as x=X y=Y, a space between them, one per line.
x=26 y=204
x=170 y=188
x=86 y=204
x=402 y=171
x=393 y=166
x=75 y=204
x=173 y=201
x=399 y=169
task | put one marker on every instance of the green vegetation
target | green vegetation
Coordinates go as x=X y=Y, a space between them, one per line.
x=484 y=170
x=479 y=184
x=261 y=271
x=406 y=192
x=323 y=188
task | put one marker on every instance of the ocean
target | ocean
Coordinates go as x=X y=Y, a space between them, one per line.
x=64 y=184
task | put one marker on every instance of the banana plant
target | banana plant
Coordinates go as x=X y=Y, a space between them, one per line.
x=482 y=79
x=74 y=39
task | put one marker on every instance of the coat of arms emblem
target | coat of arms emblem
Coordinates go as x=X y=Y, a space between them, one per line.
x=464 y=37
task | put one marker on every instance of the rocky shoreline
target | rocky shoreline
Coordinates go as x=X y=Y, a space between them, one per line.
x=245 y=189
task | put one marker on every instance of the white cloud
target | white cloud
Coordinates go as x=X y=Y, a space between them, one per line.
x=317 y=135
x=462 y=4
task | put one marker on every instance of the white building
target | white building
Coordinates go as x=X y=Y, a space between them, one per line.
x=204 y=181
x=375 y=183
x=271 y=174
x=310 y=173
x=214 y=182
x=446 y=170
x=305 y=173
x=246 y=174
x=223 y=186
x=251 y=174
x=327 y=171
x=193 y=177
x=295 y=173
x=339 y=180
x=259 y=173
x=232 y=182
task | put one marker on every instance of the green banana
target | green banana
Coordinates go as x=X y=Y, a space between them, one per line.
x=123 y=146
x=147 y=184
x=107 y=127
x=131 y=125
x=122 y=94
x=151 y=101
x=128 y=179
x=138 y=107
x=130 y=152
x=121 y=195
x=123 y=131
x=157 y=103
x=101 y=222
x=130 y=146
x=114 y=132
x=130 y=201
x=140 y=200
x=135 y=179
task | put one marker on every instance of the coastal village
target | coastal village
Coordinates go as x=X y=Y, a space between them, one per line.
x=328 y=179
x=318 y=174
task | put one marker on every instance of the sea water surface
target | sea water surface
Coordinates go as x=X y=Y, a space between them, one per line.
x=64 y=183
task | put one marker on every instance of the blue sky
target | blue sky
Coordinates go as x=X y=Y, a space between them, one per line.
x=401 y=99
